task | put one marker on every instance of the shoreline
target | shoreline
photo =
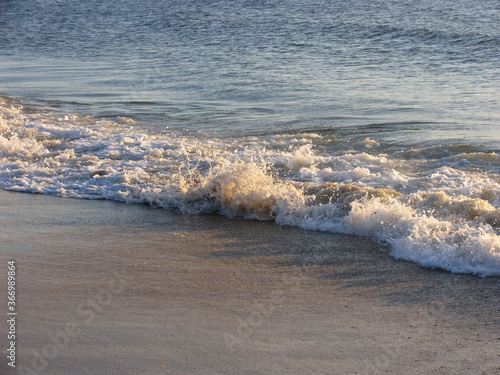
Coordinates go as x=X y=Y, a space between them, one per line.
x=106 y=287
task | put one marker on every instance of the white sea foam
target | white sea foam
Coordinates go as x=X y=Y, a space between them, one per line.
x=442 y=213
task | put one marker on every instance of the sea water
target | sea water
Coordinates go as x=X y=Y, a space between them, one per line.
x=373 y=118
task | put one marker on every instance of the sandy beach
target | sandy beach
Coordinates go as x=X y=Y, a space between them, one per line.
x=109 y=288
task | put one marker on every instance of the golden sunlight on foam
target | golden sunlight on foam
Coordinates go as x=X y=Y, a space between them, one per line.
x=459 y=206
x=243 y=190
x=332 y=193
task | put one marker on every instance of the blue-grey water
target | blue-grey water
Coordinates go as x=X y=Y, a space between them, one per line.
x=376 y=118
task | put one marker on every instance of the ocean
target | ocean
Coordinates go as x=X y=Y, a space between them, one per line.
x=371 y=118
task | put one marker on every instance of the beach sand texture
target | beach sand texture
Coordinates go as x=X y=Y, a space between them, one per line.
x=109 y=288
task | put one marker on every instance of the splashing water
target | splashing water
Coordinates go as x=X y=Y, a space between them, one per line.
x=441 y=212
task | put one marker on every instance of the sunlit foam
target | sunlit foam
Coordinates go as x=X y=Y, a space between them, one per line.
x=438 y=213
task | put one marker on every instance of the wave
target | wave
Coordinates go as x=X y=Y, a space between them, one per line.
x=427 y=35
x=438 y=209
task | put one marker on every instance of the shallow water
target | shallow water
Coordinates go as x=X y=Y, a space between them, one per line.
x=378 y=120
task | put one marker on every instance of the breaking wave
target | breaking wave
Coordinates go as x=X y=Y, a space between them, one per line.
x=440 y=212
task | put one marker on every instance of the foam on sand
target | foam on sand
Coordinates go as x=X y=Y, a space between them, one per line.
x=437 y=212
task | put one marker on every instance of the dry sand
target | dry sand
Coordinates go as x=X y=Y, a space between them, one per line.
x=109 y=288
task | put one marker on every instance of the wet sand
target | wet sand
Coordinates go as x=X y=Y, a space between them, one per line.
x=109 y=288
